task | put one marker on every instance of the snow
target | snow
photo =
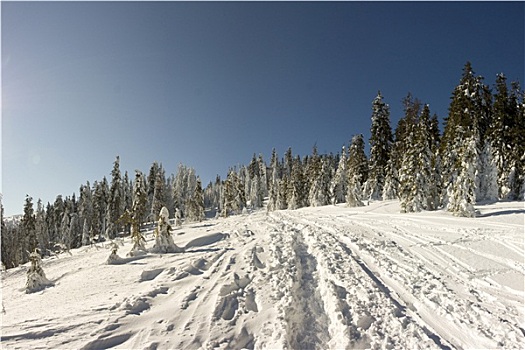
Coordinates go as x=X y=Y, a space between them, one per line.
x=326 y=277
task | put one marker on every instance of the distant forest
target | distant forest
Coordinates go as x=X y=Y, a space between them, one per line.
x=479 y=156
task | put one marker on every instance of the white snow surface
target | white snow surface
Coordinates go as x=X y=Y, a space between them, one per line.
x=326 y=278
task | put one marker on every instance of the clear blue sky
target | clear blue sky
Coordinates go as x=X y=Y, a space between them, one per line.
x=209 y=84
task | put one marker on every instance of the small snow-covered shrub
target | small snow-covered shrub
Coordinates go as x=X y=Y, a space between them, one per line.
x=36 y=278
x=163 y=240
x=113 y=258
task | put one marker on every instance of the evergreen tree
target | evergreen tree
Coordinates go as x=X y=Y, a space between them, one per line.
x=196 y=204
x=380 y=143
x=212 y=194
x=233 y=195
x=262 y=187
x=86 y=212
x=288 y=162
x=412 y=108
x=338 y=187
x=67 y=239
x=507 y=133
x=319 y=190
x=116 y=199
x=140 y=198
x=183 y=187
x=487 y=180
x=463 y=123
x=75 y=231
x=42 y=232
x=9 y=241
x=159 y=198
x=415 y=175
x=312 y=177
x=282 y=193
x=357 y=171
x=135 y=216
x=391 y=181
x=100 y=204
x=28 y=229
x=273 y=190
x=127 y=193
x=296 y=195
x=86 y=235
x=462 y=191
x=152 y=178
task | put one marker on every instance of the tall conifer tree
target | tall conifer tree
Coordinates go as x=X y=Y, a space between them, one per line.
x=380 y=145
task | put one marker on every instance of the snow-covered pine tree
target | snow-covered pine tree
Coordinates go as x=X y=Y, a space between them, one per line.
x=296 y=195
x=151 y=179
x=163 y=240
x=116 y=199
x=168 y=194
x=127 y=193
x=135 y=216
x=380 y=143
x=233 y=195
x=282 y=193
x=42 y=232
x=86 y=237
x=36 y=278
x=312 y=174
x=140 y=198
x=435 y=189
x=357 y=171
x=487 y=178
x=75 y=230
x=159 y=199
x=183 y=187
x=212 y=194
x=195 y=211
x=462 y=123
x=415 y=174
x=462 y=192
x=66 y=238
x=412 y=108
x=320 y=190
x=391 y=181
x=28 y=230
x=513 y=135
x=288 y=162
x=262 y=191
x=100 y=198
x=338 y=184
x=86 y=212
x=273 y=190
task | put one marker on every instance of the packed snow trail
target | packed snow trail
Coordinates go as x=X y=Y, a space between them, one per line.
x=314 y=278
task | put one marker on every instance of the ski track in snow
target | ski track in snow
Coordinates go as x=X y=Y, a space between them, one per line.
x=314 y=278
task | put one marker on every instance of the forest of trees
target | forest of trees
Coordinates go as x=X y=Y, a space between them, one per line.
x=480 y=156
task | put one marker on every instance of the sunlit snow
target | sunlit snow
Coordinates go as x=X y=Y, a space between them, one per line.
x=328 y=277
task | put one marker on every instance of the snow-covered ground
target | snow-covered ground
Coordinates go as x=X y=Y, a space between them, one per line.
x=327 y=277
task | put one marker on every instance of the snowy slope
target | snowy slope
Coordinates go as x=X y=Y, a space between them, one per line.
x=328 y=277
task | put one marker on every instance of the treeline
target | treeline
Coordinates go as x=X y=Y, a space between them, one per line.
x=102 y=211
x=480 y=156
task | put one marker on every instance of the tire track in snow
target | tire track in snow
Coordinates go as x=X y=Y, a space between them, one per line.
x=306 y=318
x=461 y=322
x=361 y=314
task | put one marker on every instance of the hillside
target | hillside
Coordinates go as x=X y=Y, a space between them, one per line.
x=325 y=277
